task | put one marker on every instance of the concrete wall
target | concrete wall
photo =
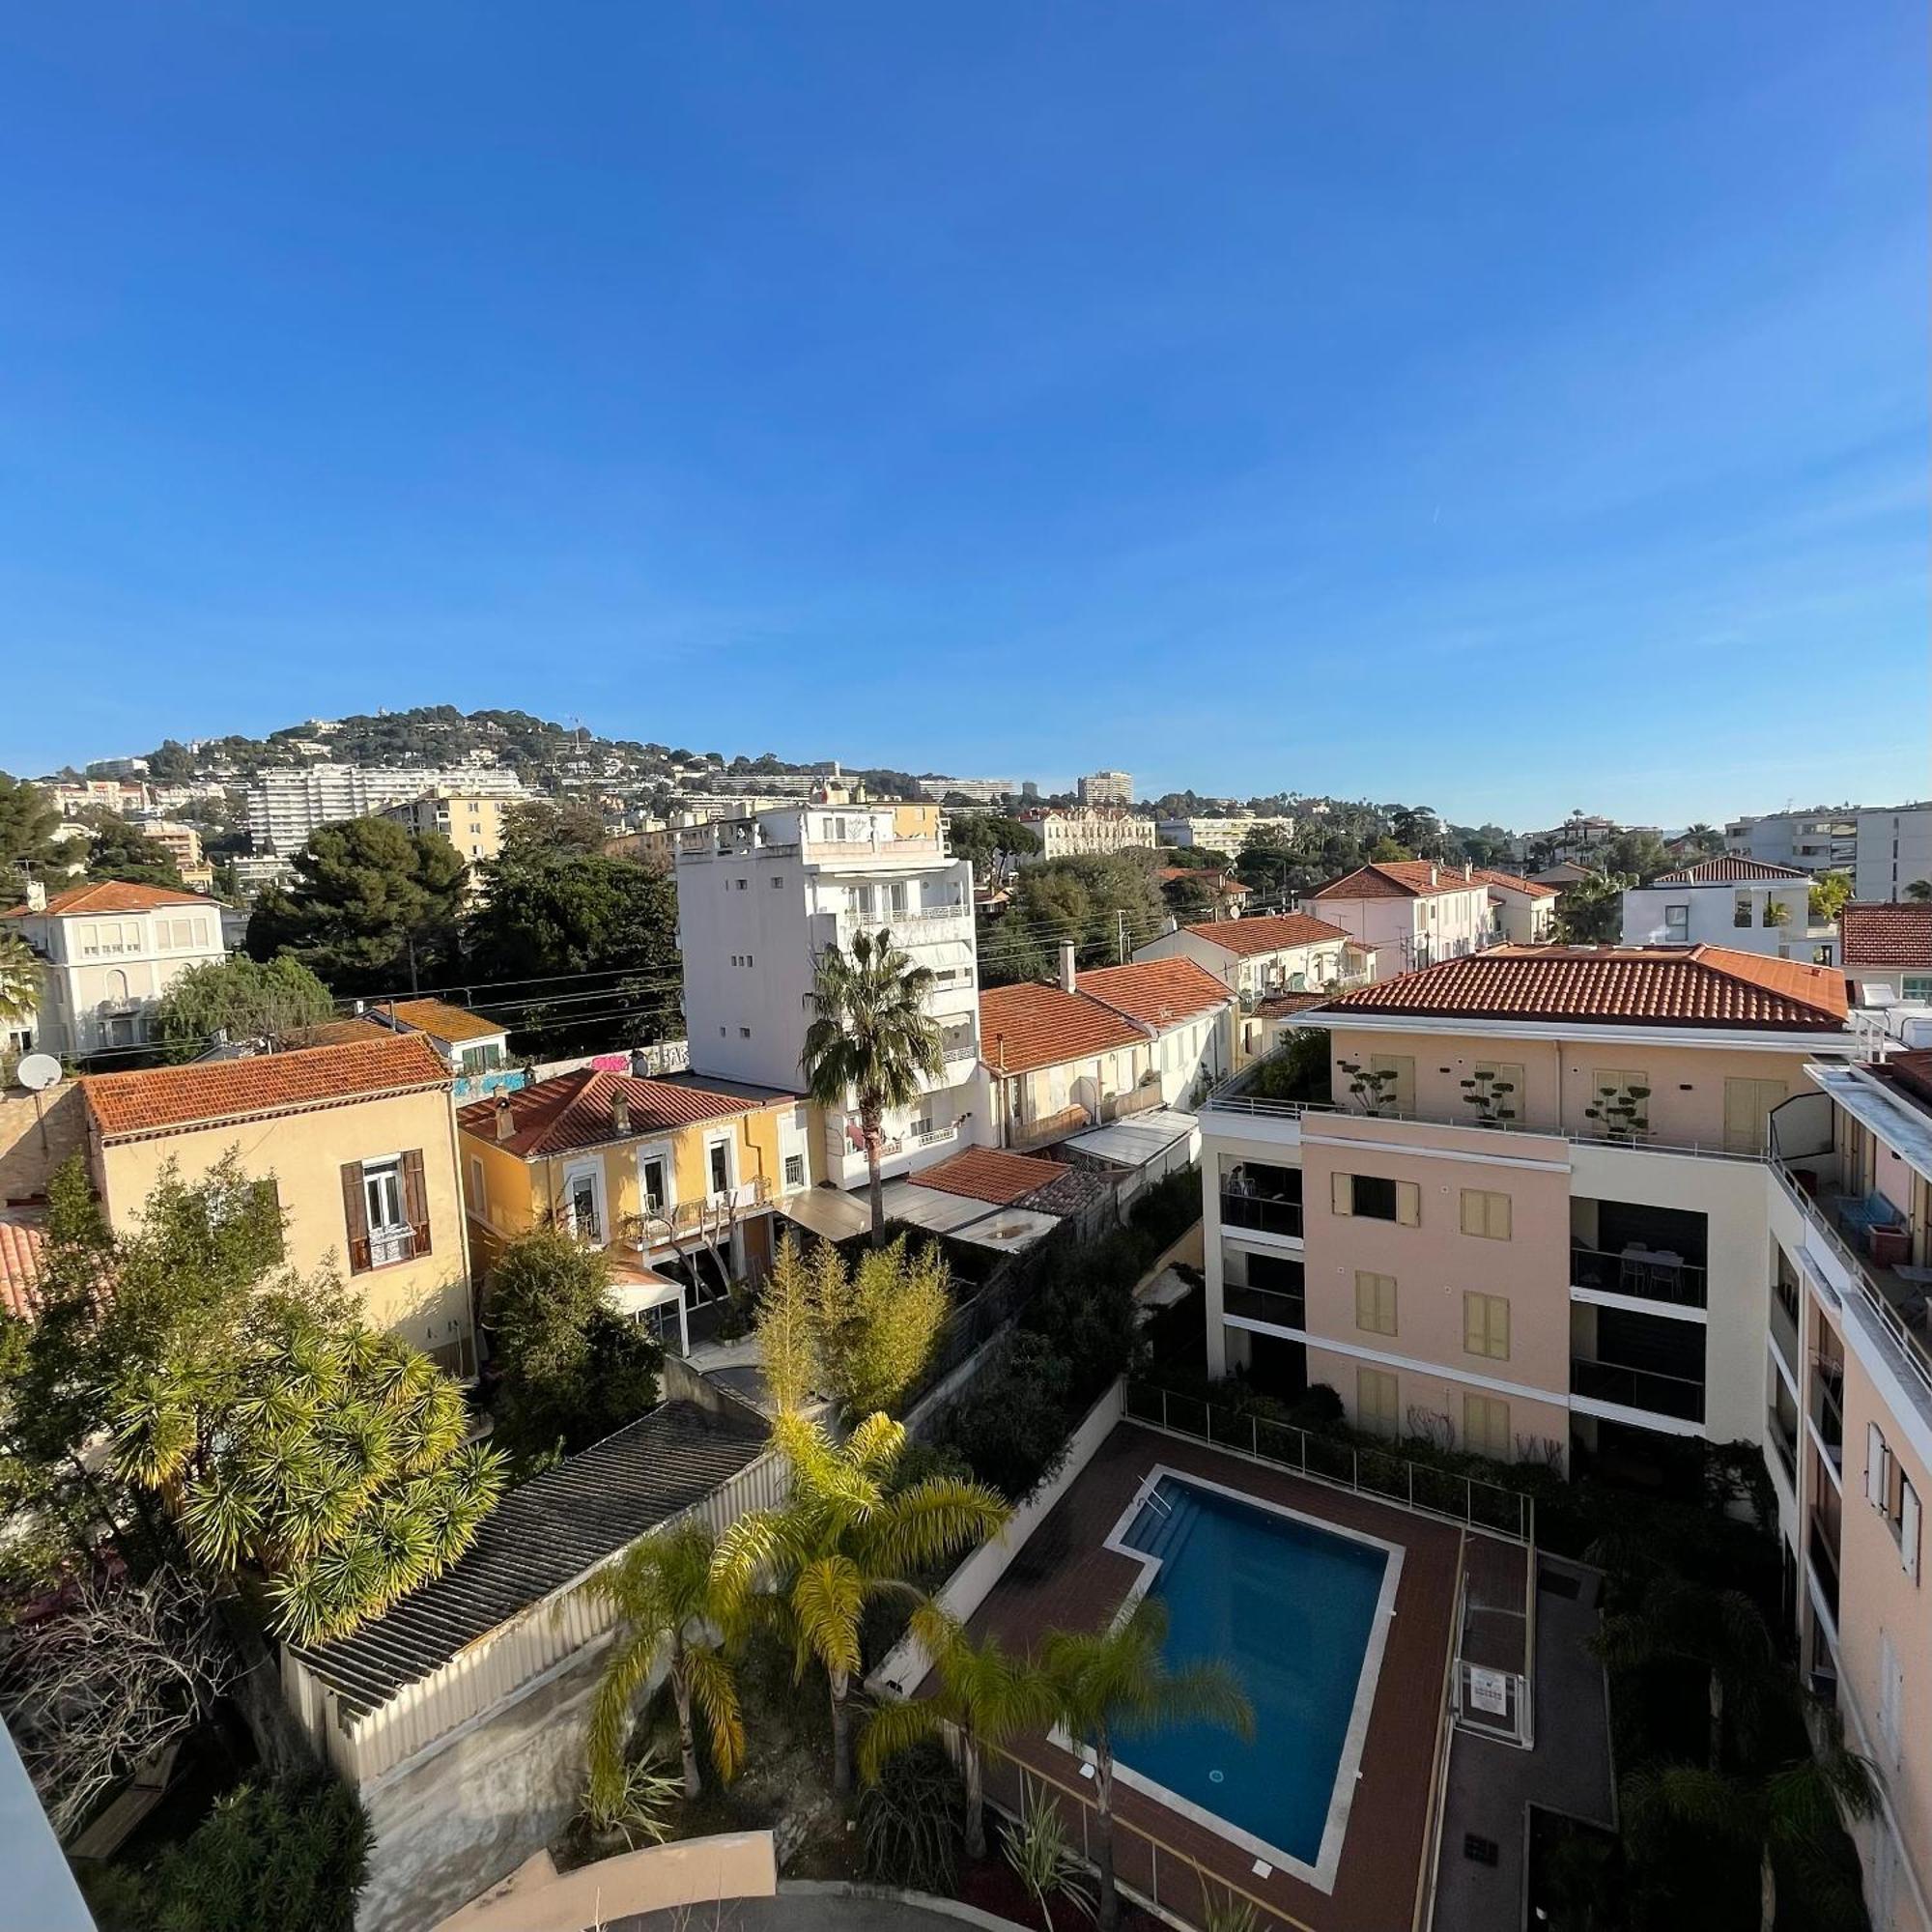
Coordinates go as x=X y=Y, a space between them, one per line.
x=697 y=1871
x=27 y=1160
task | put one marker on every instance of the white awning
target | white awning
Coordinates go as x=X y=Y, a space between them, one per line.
x=1143 y=1140
x=825 y=1212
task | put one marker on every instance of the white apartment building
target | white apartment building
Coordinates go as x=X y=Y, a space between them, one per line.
x=1070 y=833
x=1225 y=834
x=1526 y=909
x=1741 y=903
x=110 y=951
x=759 y=896
x=117 y=795
x=1412 y=912
x=1885 y=848
x=981 y=791
x=285 y=807
x=1106 y=788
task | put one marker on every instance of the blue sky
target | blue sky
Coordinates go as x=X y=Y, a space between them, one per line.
x=1511 y=406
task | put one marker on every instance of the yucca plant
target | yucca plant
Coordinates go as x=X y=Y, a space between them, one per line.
x=1040 y=1855
x=669 y=1609
x=845 y=1538
x=637 y=1803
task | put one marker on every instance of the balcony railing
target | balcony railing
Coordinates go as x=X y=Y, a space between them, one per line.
x=1784 y=1439
x=1827 y=1411
x=1263 y=1214
x=1674 y=1396
x=1823 y=1547
x=1647 y=1275
x=1265 y=1304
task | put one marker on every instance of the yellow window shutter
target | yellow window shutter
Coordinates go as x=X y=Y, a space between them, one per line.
x=1499 y=1327
x=1473 y=1326
x=1501 y=1217
x=1472 y=1213
x=1342 y=1193
x=1407 y=1203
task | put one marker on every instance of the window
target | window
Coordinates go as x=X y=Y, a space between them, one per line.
x=652 y=1170
x=1741 y=912
x=895 y=895
x=1620 y=1099
x=1485 y=1427
x=1891 y=1493
x=479 y=1192
x=1485 y=1214
x=1748 y=1105
x=1398 y=1096
x=1499 y=1089
x=384 y=1208
x=1917 y=985
x=1377 y=1403
x=794 y=1170
x=1485 y=1325
x=744 y=1032
x=1371 y=1198
x=1375 y=1302
x=717 y=1160
x=1677 y=922
x=582 y=1197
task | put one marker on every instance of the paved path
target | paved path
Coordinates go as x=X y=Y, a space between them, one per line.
x=794 y=1912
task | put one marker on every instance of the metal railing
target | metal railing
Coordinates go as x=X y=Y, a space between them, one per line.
x=1380 y=1474
x=1644 y=1276
x=1628 y=1387
x=1280 y=1306
x=1784 y=1440
x=1261 y=1213
x=1827 y=1411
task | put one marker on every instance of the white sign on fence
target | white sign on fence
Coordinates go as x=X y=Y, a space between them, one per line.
x=1488 y=1690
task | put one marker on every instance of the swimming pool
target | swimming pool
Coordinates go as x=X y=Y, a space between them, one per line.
x=1298 y=1612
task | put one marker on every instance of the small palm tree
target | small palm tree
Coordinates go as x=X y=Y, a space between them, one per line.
x=19 y=981
x=668 y=1607
x=1788 y=1816
x=844 y=1538
x=984 y=1694
x=871 y=1040
x=1105 y=1681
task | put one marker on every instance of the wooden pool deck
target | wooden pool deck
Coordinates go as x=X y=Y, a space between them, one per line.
x=1063 y=1578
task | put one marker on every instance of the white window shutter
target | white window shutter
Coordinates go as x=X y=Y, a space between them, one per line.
x=1875 y=1453
x=1908 y=1529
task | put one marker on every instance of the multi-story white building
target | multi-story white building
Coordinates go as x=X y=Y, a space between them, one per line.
x=1885 y=848
x=1411 y=912
x=1225 y=834
x=109 y=952
x=981 y=791
x=285 y=807
x=118 y=795
x=1106 y=788
x=1526 y=909
x=1075 y=831
x=1575 y=1203
x=761 y=896
x=1742 y=903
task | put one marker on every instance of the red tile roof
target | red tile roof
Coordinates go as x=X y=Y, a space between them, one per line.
x=990 y=1174
x=441 y=1021
x=107 y=895
x=1036 y=1025
x=336 y=1033
x=1689 y=986
x=22 y=1240
x=209 y=1093
x=1886 y=935
x=574 y=1111
x=1245 y=937
x=1725 y=871
x=1156 y=992
x=1515 y=882
x=1398 y=879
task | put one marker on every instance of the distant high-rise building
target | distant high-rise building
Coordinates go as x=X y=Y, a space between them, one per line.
x=1107 y=788
x=981 y=791
x=1885 y=848
x=284 y=806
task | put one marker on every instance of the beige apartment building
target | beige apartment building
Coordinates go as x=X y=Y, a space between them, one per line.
x=1072 y=832
x=1568 y=1204
x=471 y=821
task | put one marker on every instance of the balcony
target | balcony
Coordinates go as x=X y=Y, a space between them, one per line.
x=1262 y=1214
x=1047 y=1129
x=1782 y=1433
x=1822 y=1549
x=1281 y=1308
x=1646 y=1274
x=1786 y=1317
x=1827 y=1411
x=1678 y=1396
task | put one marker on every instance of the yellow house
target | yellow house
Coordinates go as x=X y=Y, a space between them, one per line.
x=676 y=1180
x=360 y=1143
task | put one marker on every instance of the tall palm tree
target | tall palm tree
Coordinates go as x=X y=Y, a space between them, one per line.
x=1110 y=1680
x=668 y=1607
x=1788 y=1816
x=844 y=1537
x=871 y=1040
x=19 y=981
x=984 y=1694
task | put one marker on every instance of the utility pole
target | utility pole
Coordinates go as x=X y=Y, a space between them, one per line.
x=1121 y=914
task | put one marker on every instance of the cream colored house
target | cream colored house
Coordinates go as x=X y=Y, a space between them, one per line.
x=1071 y=832
x=1411 y=911
x=358 y=1142
x=472 y=821
x=111 y=950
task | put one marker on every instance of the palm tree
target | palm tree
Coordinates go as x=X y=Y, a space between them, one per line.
x=19 y=981
x=667 y=1607
x=1116 y=1679
x=871 y=1039
x=1789 y=1816
x=844 y=1538
x=1721 y=1632
x=984 y=1694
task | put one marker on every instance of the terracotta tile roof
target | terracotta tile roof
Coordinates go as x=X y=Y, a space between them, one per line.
x=1724 y=871
x=990 y=1174
x=1398 y=879
x=1156 y=992
x=207 y=1092
x=22 y=1238
x=1515 y=882
x=335 y=1032
x=441 y=1021
x=1689 y=986
x=1245 y=937
x=107 y=895
x=574 y=1111
x=1886 y=935
x=1274 y=1004
x=1036 y=1025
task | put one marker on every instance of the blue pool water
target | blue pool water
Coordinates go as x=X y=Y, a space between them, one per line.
x=1289 y=1608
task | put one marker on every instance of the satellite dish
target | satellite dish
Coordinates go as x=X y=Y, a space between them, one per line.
x=38 y=1070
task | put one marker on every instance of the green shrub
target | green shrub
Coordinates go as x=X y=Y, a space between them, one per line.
x=912 y=1822
x=1011 y=1422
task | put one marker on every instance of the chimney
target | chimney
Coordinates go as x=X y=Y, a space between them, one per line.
x=1469 y=869
x=37 y=896
x=1171 y=925
x=1067 y=968
x=1433 y=879
x=620 y=1111
x=506 y=1121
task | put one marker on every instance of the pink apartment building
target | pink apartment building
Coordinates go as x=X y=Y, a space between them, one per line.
x=1412 y=912
x=1570 y=1203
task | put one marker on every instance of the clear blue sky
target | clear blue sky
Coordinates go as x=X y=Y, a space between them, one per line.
x=1509 y=407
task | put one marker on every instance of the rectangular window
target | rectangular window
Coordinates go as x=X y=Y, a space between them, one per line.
x=480 y=1194
x=651 y=1183
x=1500 y=1089
x=1375 y=1302
x=794 y=1170
x=1485 y=1214
x=1377 y=1403
x=1398 y=1095
x=1620 y=1097
x=1485 y=1427
x=1748 y=1105
x=1369 y=1197
x=1677 y=922
x=1485 y=1325
x=719 y=1159
x=585 y=1222
x=384 y=1208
